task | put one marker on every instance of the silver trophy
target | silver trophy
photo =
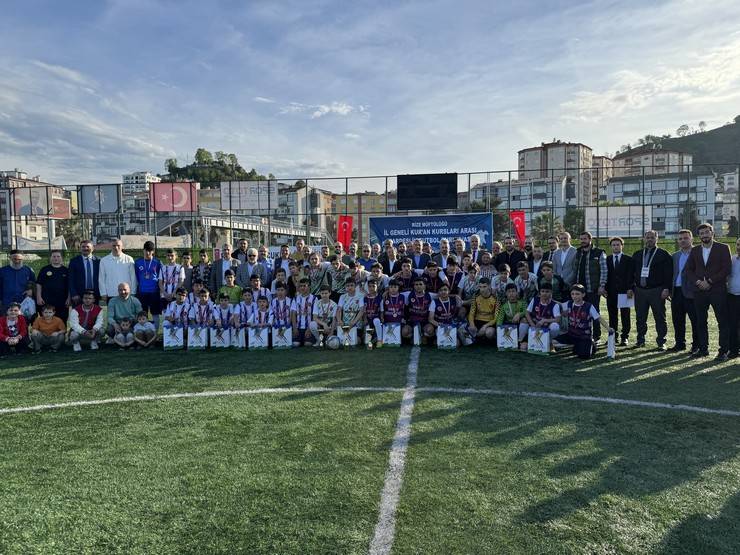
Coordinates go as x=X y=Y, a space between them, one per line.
x=369 y=337
x=321 y=339
x=345 y=330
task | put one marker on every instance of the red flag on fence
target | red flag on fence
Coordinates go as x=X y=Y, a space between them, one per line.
x=173 y=197
x=344 y=230
x=520 y=226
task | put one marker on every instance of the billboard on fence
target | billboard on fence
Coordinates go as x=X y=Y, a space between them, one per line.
x=98 y=199
x=32 y=201
x=625 y=221
x=432 y=228
x=249 y=195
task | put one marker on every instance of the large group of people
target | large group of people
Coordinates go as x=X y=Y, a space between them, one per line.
x=379 y=294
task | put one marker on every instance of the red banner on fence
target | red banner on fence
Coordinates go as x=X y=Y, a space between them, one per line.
x=519 y=224
x=344 y=230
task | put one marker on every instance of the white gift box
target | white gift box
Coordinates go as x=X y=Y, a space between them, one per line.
x=174 y=336
x=538 y=341
x=507 y=337
x=446 y=337
x=220 y=338
x=259 y=338
x=351 y=336
x=197 y=337
x=282 y=337
x=392 y=335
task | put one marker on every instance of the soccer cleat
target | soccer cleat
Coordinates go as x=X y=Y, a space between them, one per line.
x=76 y=347
x=722 y=357
x=94 y=345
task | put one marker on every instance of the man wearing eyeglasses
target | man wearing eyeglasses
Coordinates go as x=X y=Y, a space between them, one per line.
x=366 y=260
x=252 y=267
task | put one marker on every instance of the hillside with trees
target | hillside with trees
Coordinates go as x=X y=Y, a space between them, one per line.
x=210 y=169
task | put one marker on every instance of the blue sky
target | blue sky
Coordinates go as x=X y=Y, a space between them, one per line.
x=318 y=88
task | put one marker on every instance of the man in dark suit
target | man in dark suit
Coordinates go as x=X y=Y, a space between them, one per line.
x=509 y=255
x=653 y=275
x=708 y=267
x=619 y=281
x=552 y=248
x=682 y=295
x=216 y=279
x=84 y=270
x=419 y=259
x=535 y=261
x=444 y=252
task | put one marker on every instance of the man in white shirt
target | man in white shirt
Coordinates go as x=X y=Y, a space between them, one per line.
x=564 y=259
x=115 y=268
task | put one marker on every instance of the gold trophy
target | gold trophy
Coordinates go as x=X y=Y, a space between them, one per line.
x=369 y=337
x=345 y=330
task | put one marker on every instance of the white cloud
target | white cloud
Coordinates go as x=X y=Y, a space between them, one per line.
x=263 y=99
x=65 y=73
x=320 y=110
x=352 y=136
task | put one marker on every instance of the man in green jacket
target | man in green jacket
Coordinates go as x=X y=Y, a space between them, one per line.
x=124 y=305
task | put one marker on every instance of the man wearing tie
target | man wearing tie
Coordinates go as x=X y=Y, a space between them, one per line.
x=475 y=249
x=84 y=270
x=682 y=295
x=708 y=267
x=653 y=277
x=619 y=281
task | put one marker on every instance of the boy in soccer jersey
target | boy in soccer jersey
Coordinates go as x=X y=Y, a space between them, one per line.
x=482 y=315
x=500 y=282
x=148 y=270
x=393 y=306
x=295 y=275
x=301 y=313
x=581 y=315
x=202 y=311
x=405 y=277
x=381 y=280
x=86 y=323
x=280 y=309
x=223 y=313
x=324 y=316
x=349 y=308
x=171 y=277
x=144 y=332
x=371 y=311
x=261 y=318
x=244 y=310
x=258 y=290
x=526 y=282
x=556 y=283
x=280 y=277
x=469 y=286
x=544 y=312
x=443 y=311
x=316 y=272
x=177 y=311
x=194 y=295
x=47 y=331
x=486 y=268
x=230 y=288
x=513 y=311
x=338 y=274
x=433 y=278
x=417 y=311
x=124 y=338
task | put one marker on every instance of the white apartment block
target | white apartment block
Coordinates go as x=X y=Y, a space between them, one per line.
x=651 y=161
x=559 y=160
x=137 y=182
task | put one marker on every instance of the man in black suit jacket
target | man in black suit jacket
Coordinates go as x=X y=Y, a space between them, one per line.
x=80 y=277
x=619 y=281
x=653 y=277
x=510 y=255
x=419 y=259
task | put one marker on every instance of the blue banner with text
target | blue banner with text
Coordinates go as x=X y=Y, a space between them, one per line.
x=433 y=228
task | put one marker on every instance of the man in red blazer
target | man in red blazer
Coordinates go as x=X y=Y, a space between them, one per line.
x=708 y=267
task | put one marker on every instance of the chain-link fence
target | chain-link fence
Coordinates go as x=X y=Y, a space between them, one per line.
x=605 y=200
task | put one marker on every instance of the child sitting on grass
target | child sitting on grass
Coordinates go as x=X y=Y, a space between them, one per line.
x=125 y=337
x=47 y=331
x=13 y=331
x=145 y=334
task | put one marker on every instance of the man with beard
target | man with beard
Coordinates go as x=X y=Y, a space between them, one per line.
x=510 y=255
x=591 y=272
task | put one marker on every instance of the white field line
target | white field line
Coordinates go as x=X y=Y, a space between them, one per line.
x=586 y=398
x=225 y=393
x=385 y=529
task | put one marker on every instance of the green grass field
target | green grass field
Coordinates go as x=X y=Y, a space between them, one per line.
x=302 y=471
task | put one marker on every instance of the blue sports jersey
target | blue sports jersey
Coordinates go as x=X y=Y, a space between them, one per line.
x=147 y=275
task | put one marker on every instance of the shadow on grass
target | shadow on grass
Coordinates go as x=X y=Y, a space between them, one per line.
x=589 y=453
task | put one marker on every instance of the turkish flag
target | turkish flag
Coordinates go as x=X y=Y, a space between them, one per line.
x=344 y=230
x=519 y=223
x=173 y=197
